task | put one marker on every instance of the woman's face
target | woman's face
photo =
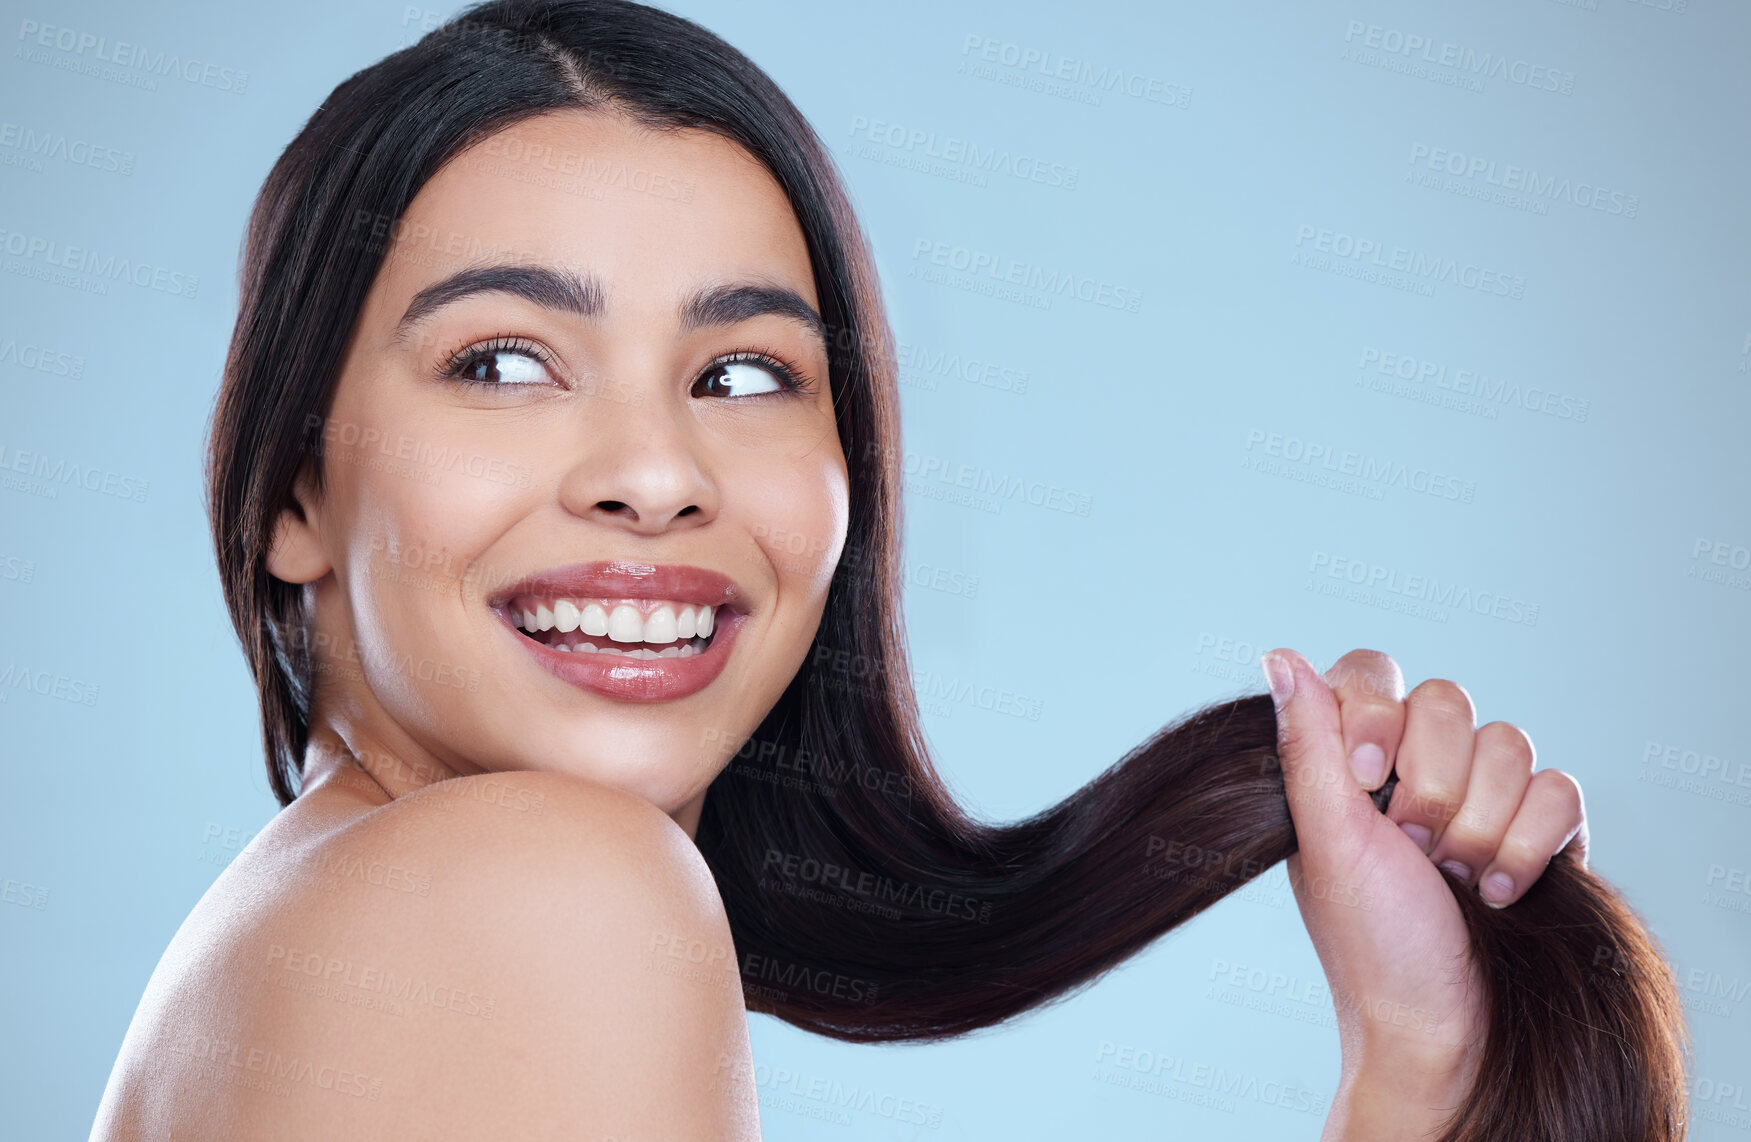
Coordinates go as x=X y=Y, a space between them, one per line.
x=566 y=396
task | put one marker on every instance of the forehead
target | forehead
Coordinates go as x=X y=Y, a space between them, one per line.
x=652 y=213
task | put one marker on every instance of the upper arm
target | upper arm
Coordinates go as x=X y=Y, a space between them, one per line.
x=562 y=972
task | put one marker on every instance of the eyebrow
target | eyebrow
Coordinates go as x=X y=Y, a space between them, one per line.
x=564 y=291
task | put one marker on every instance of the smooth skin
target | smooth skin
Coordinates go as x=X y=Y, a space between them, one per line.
x=1383 y=921
x=467 y=819
x=484 y=915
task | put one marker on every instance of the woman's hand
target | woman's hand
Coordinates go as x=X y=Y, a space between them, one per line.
x=1383 y=920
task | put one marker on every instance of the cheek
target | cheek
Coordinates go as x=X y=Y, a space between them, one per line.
x=414 y=579
x=798 y=507
x=414 y=545
x=425 y=509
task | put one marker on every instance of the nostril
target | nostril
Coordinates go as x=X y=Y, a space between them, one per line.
x=611 y=505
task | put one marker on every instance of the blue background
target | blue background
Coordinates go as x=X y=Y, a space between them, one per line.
x=1267 y=124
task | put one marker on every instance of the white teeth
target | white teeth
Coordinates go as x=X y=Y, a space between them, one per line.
x=660 y=626
x=625 y=624
x=622 y=622
x=684 y=649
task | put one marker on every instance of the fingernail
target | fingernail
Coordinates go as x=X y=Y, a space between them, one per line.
x=1497 y=887
x=1458 y=868
x=1368 y=763
x=1279 y=676
x=1419 y=835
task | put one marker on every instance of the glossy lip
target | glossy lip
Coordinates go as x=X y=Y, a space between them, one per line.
x=633 y=679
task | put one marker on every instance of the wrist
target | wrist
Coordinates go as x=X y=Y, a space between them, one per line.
x=1391 y=1092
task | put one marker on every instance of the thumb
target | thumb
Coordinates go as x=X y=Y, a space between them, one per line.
x=1331 y=810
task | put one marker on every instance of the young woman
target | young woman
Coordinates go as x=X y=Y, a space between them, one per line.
x=554 y=484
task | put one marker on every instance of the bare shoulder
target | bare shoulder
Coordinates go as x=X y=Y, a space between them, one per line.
x=507 y=955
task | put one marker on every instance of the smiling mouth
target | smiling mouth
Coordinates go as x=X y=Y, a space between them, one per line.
x=630 y=628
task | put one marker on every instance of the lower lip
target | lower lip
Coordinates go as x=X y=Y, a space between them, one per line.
x=639 y=679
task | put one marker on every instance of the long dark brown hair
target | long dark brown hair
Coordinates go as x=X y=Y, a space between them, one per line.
x=865 y=903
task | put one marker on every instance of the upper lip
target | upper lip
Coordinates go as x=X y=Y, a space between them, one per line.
x=629 y=579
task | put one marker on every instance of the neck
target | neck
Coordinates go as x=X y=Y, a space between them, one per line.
x=339 y=756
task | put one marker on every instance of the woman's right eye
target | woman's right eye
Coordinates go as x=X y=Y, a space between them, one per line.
x=500 y=365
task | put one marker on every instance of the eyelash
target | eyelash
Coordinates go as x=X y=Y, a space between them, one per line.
x=457 y=363
x=788 y=375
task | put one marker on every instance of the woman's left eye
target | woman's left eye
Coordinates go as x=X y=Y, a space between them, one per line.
x=743 y=377
x=502 y=366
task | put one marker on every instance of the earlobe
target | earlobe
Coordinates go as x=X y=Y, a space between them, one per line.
x=296 y=554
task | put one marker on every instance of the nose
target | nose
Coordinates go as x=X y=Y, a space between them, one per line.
x=638 y=465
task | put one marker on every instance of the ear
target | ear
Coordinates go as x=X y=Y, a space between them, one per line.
x=297 y=554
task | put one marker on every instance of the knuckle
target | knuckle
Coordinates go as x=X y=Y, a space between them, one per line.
x=1443 y=699
x=1463 y=836
x=1521 y=855
x=1370 y=672
x=1504 y=739
x=1563 y=789
x=1433 y=800
x=1372 y=708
